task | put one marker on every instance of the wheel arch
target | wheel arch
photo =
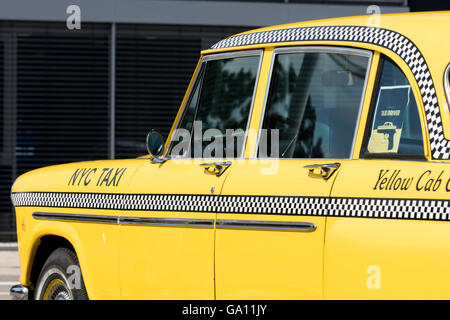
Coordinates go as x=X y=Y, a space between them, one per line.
x=47 y=244
x=44 y=244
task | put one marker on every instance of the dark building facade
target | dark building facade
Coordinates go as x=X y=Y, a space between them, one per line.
x=95 y=92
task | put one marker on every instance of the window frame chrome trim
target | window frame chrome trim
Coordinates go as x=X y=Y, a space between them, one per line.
x=315 y=48
x=213 y=57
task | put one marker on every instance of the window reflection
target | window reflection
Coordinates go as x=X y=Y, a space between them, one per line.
x=314 y=102
x=221 y=101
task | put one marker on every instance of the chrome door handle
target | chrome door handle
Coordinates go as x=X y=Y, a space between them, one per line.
x=217 y=168
x=323 y=170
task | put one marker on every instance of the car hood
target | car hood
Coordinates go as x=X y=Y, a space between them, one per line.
x=104 y=176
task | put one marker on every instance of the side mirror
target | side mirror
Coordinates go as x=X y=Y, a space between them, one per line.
x=155 y=146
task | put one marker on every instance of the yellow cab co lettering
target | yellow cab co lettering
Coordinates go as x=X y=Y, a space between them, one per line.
x=392 y=180
x=426 y=181
x=429 y=182
x=108 y=177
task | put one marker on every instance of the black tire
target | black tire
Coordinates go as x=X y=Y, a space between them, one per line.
x=61 y=278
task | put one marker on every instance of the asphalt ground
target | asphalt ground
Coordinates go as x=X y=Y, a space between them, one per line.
x=9 y=268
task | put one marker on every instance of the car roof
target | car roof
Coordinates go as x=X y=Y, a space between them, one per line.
x=418 y=26
x=427 y=30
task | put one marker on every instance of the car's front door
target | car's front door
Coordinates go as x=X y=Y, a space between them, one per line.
x=270 y=229
x=167 y=232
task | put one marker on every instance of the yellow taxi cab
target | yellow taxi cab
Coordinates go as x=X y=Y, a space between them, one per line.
x=307 y=161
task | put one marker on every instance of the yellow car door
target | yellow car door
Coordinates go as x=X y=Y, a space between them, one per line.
x=387 y=237
x=270 y=229
x=167 y=235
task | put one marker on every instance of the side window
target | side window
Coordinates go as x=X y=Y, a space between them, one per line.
x=188 y=117
x=313 y=103
x=217 y=114
x=394 y=129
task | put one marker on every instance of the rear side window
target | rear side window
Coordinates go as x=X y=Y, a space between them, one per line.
x=394 y=129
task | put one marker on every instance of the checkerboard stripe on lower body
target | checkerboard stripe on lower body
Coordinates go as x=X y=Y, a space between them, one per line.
x=417 y=209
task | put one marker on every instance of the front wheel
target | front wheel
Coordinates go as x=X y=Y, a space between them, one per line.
x=61 y=278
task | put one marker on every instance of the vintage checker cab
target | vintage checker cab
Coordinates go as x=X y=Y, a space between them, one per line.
x=307 y=161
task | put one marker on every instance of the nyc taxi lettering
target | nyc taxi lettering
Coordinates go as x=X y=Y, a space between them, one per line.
x=426 y=181
x=101 y=177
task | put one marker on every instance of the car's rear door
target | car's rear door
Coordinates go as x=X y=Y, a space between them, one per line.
x=270 y=228
x=386 y=237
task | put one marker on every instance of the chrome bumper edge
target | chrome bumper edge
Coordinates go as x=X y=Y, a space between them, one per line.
x=19 y=292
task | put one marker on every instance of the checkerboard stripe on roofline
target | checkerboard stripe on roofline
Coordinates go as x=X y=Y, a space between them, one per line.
x=417 y=209
x=394 y=41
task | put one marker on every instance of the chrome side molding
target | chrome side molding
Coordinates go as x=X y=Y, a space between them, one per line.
x=179 y=222
x=75 y=217
x=176 y=222
x=182 y=222
x=265 y=225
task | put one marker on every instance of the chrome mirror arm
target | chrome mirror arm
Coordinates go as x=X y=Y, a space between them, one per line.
x=157 y=160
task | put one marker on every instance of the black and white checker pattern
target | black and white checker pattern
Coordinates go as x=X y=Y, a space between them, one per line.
x=272 y=205
x=419 y=209
x=147 y=202
x=399 y=44
x=167 y=202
